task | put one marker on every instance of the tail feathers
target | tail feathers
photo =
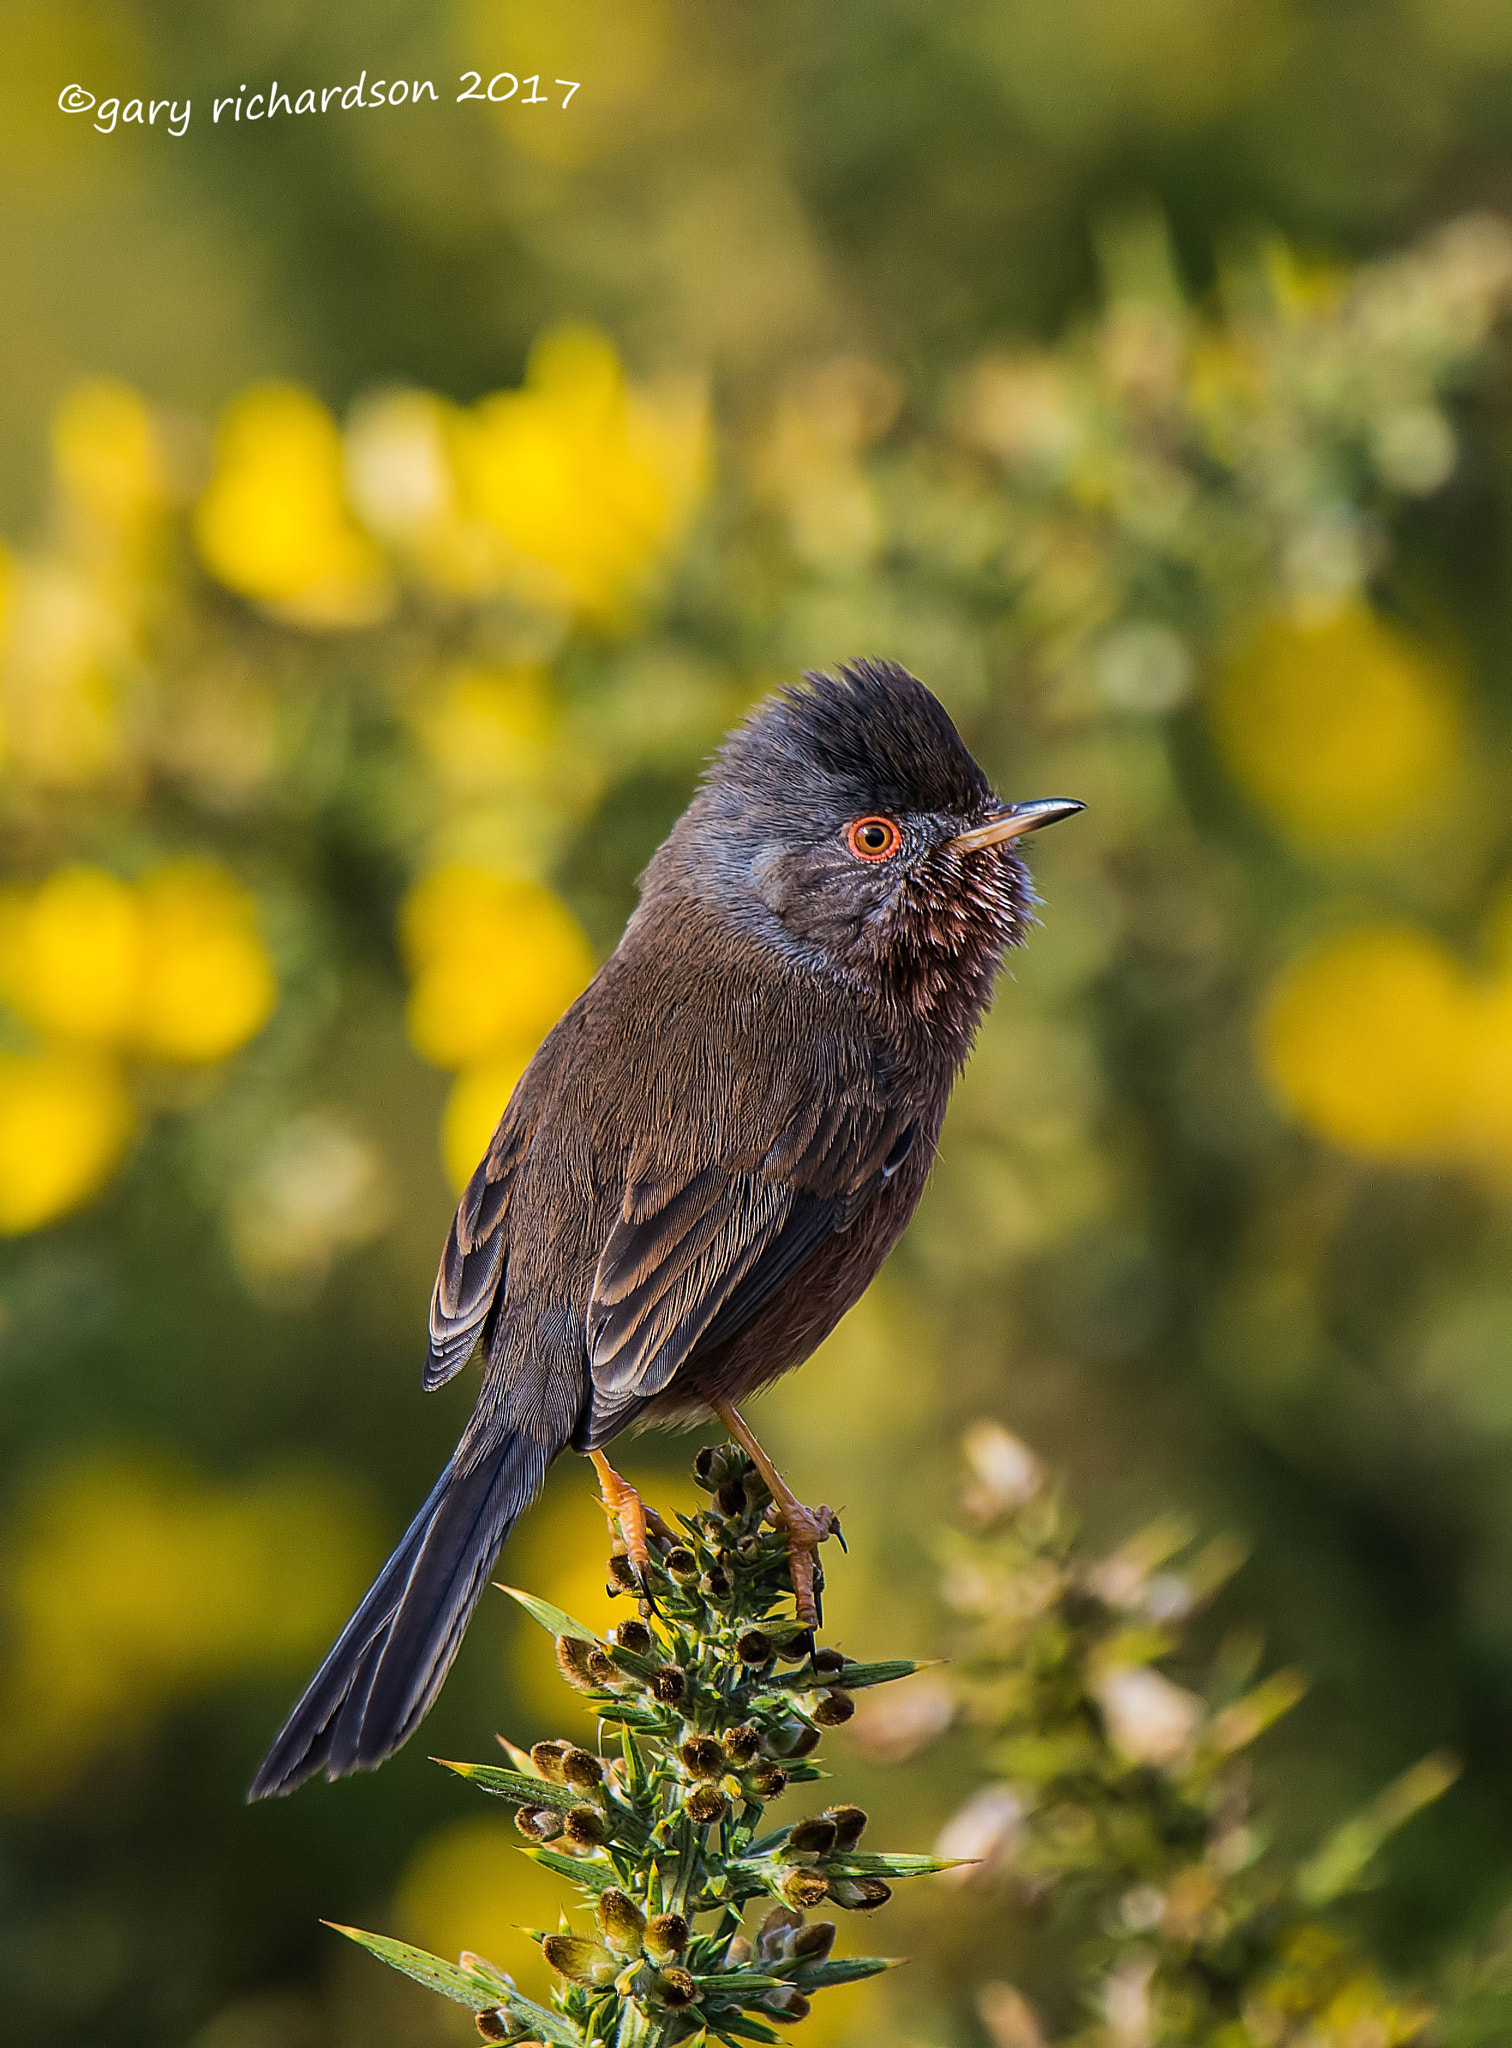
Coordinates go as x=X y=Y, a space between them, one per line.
x=388 y=1663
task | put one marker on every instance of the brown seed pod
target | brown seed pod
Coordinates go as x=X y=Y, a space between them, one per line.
x=730 y=1499
x=860 y=1894
x=575 y=1662
x=577 y=1958
x=703 y=1756
x=805 y=1888
x=812 y=1837
x=682 y=1564
x=666 y=1936
x=675 y=1988
x=602 y=1668
x=538 y=1823
x=586 y=1828
x=815 y=1941
x=774 y=1937
x=743 y=1743
x=668 y=1684
x=754 y=1647
x=621 y=1921
x=715 y=1464
x=791 y=1737
x=829 y=1663
x=850 y=1825
x=715 y=1583
x=767 y=1781
x=623 y=1577
x=581 y=1769
x=633 y=1636
x=787 y=2005
x=495 y=2025
x=833 y=1708
x=705 y=1805
x=547 y=1758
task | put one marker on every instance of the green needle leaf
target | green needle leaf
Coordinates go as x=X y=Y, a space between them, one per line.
x=1340 y=1864
x=514 y=1786
x=849 y=1970
x=594 y=1877
x=552 y=1619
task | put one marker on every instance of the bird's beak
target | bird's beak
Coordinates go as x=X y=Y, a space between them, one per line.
x=1016 y=820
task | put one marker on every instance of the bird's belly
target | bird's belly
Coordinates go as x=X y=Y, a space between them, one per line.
x=800 y=1316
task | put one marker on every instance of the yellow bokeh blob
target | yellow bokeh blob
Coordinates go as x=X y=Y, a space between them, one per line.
x=1341 y=729
x=71 y=955
x=129 y=1583
x=174 y=968
x=478 y=1098
x=1364 y=1040
x=64 y=1124
x=587 y=483
x=471 y=1886
x=274 y=524
x=207 y=982
x=490 y=729
x=107 y=454
x=496 y=961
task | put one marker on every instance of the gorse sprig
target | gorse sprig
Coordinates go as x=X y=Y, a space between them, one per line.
x=1121 y=1801
x=715 y=1699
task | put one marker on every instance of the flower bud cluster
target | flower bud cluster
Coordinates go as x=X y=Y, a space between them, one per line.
x=716 y=1701
x=1125 y=1789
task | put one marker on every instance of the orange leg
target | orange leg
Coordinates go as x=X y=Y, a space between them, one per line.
x=622 y=1504
x=805 y=1528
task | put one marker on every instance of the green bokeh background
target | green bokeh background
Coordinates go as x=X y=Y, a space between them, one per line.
x=1126 y=1255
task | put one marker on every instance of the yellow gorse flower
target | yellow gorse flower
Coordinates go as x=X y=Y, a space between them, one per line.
x=1380 y=1042
x=65 y=1122
x=207 y=982
x=171 y=969
x=490 y=730
x=495 y=961
x=274 y=525
x=108 y=456
x=585 y=482
x=1341 y=729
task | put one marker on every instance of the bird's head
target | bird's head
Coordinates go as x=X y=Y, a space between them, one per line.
x=847 y=821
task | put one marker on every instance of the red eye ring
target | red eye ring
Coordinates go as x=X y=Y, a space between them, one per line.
x=873 y=838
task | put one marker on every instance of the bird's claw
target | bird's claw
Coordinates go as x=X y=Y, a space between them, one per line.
x=805 y=1529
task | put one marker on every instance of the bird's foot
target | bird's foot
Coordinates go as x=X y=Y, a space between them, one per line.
x=805 y=1528
x=629 y=1514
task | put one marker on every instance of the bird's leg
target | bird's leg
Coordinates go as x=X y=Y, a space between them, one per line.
x=805 y=1528
x=622 y=1504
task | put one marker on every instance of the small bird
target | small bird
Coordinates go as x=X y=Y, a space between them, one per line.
x=708 y=1158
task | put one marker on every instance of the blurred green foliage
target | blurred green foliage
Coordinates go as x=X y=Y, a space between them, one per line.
x=1121 y=1805
x=399 y=504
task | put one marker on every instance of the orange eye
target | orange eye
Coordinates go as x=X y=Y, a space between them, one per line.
x=873 y=838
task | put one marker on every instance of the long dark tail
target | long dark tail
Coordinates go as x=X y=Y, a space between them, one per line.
x=388 y=1663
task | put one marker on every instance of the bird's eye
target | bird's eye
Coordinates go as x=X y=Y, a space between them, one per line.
x=873 y=838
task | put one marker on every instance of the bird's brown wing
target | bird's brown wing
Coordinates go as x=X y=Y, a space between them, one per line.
x=689 y=1261
x=470 y=1282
